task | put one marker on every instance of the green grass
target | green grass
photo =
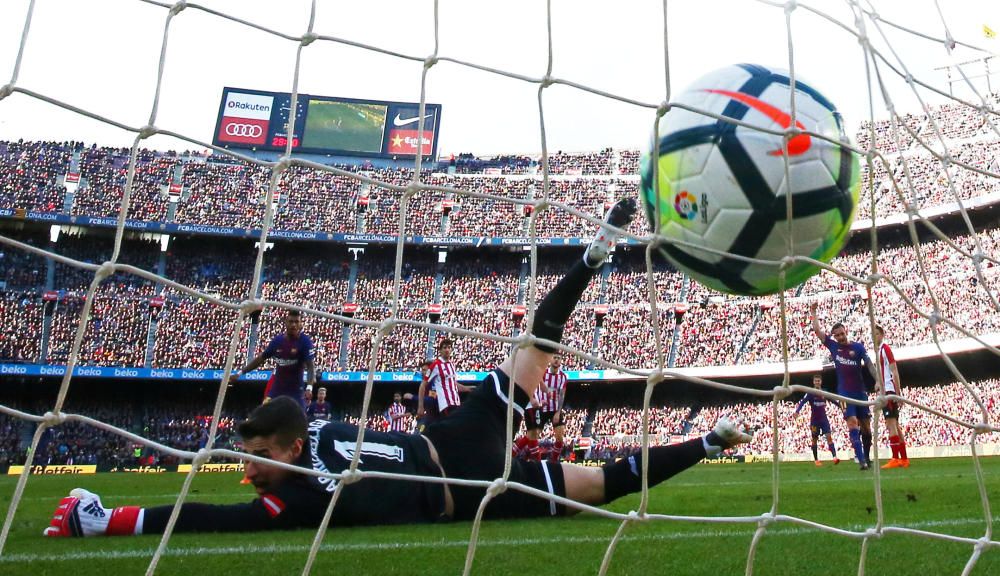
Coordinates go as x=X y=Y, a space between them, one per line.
x=935 y=495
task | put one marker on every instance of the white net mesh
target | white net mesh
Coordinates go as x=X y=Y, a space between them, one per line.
x=890 y=150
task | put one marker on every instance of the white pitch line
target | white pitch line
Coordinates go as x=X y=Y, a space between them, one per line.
x=378 y=546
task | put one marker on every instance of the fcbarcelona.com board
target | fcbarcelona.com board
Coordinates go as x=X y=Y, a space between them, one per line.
x=259 y=120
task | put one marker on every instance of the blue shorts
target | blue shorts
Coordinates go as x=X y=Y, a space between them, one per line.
x=861 y=412
x=818 y=427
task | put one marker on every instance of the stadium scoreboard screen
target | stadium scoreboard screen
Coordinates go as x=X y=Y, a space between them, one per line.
x=324 y=125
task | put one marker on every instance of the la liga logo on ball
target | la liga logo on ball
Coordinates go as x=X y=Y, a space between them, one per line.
x=686 y=205
x=727 y=183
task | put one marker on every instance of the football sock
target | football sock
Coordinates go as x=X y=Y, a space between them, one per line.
x=558 y=304
x=866 y=442
x=899 y=447
x=859 y=451
x=833 y=449
x=625 y=476
x=894 y=446
x=815 y=454
x=535 y=451
x=557 y=449
x=520 y=445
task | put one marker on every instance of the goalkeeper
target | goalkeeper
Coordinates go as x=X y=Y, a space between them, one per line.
x=469 y=445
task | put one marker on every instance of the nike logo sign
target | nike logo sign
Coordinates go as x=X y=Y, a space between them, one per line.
x=797 y=145
x=398 y=121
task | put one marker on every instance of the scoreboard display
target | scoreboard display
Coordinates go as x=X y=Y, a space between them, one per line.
x=325 y=125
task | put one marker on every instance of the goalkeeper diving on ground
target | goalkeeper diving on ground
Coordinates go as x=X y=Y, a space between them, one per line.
x=470 y=444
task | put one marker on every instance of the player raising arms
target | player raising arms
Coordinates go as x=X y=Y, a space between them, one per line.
x=469 y=444
x=818 y=421
x=293 y=352
x=891 y=382
x=849 y=359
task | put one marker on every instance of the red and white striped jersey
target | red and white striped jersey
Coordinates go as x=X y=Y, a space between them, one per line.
x=399 y=423
x=444 y=383
x=556 y=383
x=885 y=360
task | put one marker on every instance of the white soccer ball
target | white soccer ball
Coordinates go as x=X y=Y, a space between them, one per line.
x=723 y=186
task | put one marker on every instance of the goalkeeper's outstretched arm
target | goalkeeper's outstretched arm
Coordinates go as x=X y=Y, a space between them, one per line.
x=83 y=514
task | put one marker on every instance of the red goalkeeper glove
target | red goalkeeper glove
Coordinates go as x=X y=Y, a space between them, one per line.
x=82 y=514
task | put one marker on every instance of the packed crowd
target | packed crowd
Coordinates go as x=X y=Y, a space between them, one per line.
x=628 y=421
x=30 y=174
x=10 y=440
x=477 y=293
x=103 y=177
x=79 y=443
x=954 y=120
x=919 y=179
x=227 y=192
x=177 y=427
x=173 y=424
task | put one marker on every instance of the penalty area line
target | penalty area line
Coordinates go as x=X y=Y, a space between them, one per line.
x=390 y=546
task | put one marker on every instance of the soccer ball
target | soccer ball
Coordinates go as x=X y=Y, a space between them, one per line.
x=723 y=186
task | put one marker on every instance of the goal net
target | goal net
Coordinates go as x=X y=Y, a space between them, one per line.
x=914 y=163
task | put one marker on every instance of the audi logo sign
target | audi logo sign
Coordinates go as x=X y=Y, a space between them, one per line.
x=245 y=130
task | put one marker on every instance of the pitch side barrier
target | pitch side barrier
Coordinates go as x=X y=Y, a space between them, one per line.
x=349 y=238
x=903 y=354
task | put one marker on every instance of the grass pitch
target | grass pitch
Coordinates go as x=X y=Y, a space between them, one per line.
x=934 y=495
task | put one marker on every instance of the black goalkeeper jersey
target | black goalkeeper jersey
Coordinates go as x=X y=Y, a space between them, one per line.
x=301 y=501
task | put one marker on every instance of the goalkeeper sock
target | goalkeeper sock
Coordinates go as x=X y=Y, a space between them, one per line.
x=625 y=476
x=859 y=452
x=558 y=304
x=815 y=454
x=866 y=442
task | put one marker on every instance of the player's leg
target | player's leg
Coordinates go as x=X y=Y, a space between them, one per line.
x=831 y=445
x=528 y=365
x=559 y=432
x=473 y=444
x=903 y=457
x=865 y=422
x=894 y=462
x=527 y=446
x=896 y=443
x=854 y=432
x=813 y=441
x=612 y=481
